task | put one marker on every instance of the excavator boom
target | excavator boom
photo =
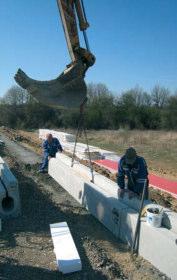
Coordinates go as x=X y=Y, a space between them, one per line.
x=68 y=18
x=68 y=10
x=68 y=90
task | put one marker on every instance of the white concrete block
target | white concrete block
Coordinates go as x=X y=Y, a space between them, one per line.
x=62 y=136
x=7 y=177
x=9 y=193
x=67 y=256
x=1 y=161
x=67 y=140
x=157 y=245
x=2 y=191
x=9 y=205
x=169 y=219
x=106 y=208
x=110 y=155
x=110 y=187
x=100 y=180
x=2 y=143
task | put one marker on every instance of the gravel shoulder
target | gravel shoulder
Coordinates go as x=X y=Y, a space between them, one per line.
x=26 y=250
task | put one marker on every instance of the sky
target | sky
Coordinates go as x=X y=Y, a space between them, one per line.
x=134 y=41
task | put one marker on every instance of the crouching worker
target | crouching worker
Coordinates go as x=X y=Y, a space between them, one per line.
x=132 y=174
x=50 y=147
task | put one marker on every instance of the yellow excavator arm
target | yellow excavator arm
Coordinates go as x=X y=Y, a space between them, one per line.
x=68 y=90
x=68 y=10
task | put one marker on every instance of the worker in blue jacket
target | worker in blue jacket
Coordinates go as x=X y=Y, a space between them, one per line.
x=132 y=174
x=50 y=146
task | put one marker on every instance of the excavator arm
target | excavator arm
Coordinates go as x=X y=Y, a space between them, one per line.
x=68 y=10
x=68 y=90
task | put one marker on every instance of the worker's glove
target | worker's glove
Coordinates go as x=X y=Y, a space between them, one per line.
x=120 y=193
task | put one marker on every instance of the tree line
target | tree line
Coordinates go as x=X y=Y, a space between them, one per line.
x=132 y=109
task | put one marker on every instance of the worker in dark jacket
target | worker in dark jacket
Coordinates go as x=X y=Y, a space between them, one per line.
x=132 y=174
x=50 y=146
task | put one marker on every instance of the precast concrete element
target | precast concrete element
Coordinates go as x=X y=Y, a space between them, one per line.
x=101 y=199
x=2 y=144
x=67 y=256
x=1 y=161
x=169 y=218
x=111 y=156
x=101 y=204
x=62 y=136
x=9 y=204
x=100 y=180
x=9 y=193
x=67 y=140
x=157 y=245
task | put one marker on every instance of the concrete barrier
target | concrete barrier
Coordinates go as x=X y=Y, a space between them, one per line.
x=9 y=193
x=100 y=198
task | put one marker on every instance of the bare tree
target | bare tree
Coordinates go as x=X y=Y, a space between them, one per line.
x=16 y=96
x=160 y=96
x=97 y=91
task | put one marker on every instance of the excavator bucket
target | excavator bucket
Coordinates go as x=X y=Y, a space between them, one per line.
x=66 y=91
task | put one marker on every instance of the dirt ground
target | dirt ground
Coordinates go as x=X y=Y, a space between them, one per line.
x=26 y=245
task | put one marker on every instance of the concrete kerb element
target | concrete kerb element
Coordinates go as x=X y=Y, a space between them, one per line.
x=2 y=195
x=169 y=218
x=157 y=245
x=115 y=214
x=68 y=259
x=62 y=136
x=103 y=206
x=67 y=140
x=9 y=193
x=1 y=161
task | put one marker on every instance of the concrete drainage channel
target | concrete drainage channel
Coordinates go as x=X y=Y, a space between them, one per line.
x=157 y=245
x=8 y=204
x=9 y=193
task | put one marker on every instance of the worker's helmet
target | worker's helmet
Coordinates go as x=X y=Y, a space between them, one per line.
x=130 y=155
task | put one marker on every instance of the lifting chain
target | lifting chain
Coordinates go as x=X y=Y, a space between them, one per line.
x=82 y=130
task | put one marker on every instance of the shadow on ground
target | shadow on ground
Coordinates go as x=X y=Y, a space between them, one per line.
x=25 y=242
x=26 y=272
